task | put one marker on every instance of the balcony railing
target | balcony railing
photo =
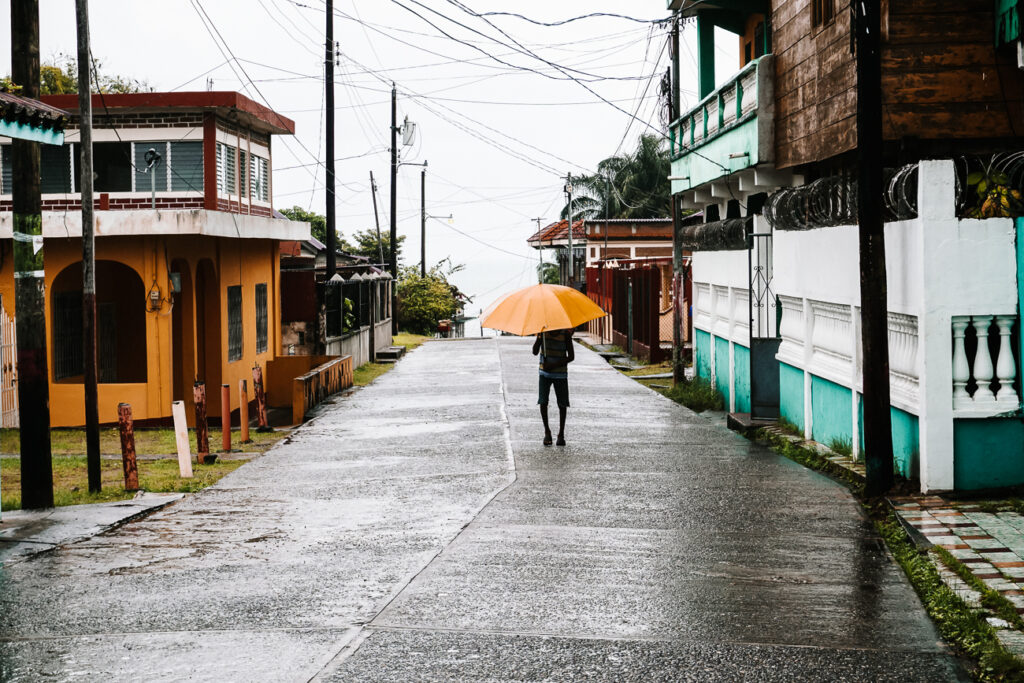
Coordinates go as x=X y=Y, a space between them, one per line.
x=983 y=385
x=702 y=146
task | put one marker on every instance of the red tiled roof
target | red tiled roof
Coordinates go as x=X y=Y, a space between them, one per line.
x=559 y=231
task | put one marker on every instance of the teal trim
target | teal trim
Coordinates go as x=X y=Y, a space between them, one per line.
x=722 y=369
x=705 y=55
x=1007 y=21
x=741 y=379
x=732 y=150
x=702 y=354
x=831 y=412
x=906 y=440
x=1020 y=284
x=988 y=453
x=47 y=136
x=791 y=394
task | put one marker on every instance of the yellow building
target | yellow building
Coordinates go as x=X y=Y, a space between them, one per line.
x=187 y=251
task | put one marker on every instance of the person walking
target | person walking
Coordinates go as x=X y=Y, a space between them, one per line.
x=556 y=352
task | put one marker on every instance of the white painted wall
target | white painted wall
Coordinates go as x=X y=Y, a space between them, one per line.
x=937 y=265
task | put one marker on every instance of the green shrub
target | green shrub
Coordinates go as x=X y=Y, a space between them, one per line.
x=697 y=394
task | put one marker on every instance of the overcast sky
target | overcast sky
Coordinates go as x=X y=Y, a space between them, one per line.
x=498 y=137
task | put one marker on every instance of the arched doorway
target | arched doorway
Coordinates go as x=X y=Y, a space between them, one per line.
x=183 y=337
x=120 y=324
x=208 y=348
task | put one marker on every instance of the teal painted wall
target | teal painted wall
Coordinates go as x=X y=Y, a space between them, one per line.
x=791 y=394
x=831 y=414
x=989 y=453
x=702 y=354
x=722 y=369
x=741 y=383
x=906 y=439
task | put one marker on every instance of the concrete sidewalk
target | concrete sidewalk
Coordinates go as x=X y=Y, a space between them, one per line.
x=418 y=530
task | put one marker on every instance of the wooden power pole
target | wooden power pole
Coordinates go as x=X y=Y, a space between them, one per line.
x=29 y=283
x=677 y=247
x=874 y=314
x=332 y=244
x=92 y=418
x=394 y=209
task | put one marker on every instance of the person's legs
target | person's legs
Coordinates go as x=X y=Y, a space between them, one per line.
x=562 y=396
x=542 y=401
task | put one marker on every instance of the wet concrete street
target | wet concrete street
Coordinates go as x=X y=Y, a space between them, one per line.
x=418 y=530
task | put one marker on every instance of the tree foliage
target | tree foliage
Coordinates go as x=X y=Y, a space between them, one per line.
x=365 y=240
x=59 y=76
x=639 y=186
x=366 y=245
x=423 y=301
x=547 y=273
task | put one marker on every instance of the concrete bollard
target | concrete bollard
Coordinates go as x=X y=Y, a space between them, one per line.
x=243 y=410
x=225 y=417
x=181 y=439
x=202 y=434
x=261 y=399
x=127 y=429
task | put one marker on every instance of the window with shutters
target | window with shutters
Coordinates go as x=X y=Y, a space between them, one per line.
x=258 y=179
x=261 y=318
x=225 y=169
x=150 y=176
x=243 y=172
x=5 y=169
x=234 y=322
x=186 y=162
x=55 y=168
x=67 y=334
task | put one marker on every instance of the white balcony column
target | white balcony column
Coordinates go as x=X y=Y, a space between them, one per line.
x=984 y=372
x=1006 y=370
x=961 y=370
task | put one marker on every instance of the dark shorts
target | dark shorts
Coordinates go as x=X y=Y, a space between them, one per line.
x=561 y=391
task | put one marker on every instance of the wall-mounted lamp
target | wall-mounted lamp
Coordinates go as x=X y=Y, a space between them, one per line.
x=175 y=283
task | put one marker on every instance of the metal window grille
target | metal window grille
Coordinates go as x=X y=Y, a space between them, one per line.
x=54 y=169
x=242 y=172
x=364 y=304
x=234 y=322
x=333 y=306
x=186 y=163
x=5 y=169
x=145 y=180
x=225 y=168
x=261 y=318
x=258 y=178
x=106 y=330
x=67 y=335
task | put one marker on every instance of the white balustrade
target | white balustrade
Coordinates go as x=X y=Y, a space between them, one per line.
x=994 y=392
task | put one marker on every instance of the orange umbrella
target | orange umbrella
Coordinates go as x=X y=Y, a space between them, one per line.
x=538 y=308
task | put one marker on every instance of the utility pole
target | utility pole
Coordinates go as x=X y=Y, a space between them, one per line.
x=423 y=220
x=540 y=253
x=376 y=219
x=568 y=191
x=677 y=248
x=394 y=209
x=332 y=239
x=29 y=281
x=873 y=288
x=92 y=417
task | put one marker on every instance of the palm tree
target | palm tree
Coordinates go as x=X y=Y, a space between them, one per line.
x=638 y=187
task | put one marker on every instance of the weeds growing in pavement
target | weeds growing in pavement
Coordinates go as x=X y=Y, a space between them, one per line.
x=788 y=427
x=697 y=394
x=958 y=623
x=990 y=598
x=843 y=447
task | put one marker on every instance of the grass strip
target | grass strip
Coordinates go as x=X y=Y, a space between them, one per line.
x=147 y=441
x=71 y=479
